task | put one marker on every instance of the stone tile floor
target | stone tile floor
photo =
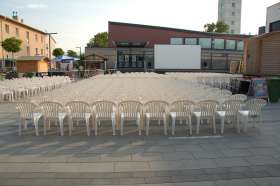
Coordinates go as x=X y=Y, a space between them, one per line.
x=233 y=159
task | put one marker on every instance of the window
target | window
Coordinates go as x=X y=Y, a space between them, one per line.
x=219 y=44
x=176 y=41
x=36 y=51
x=7 y=29
x=17 y=32
x=27 y=37
x=233 y=13
x=205 y=42
x=36 y=37
x=232 y=31
x=240 y=45
x=191 y=41
x=28 y=51
x=232 y=22
x=233 y=5
x=230 y=44
x=42 y=52
x=42 y=39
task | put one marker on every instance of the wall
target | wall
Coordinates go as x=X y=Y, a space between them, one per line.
x=273 y=14
x=109 y=53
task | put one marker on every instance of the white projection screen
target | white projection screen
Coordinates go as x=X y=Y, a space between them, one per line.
x=177 y=57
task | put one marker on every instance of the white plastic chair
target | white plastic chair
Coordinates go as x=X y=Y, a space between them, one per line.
x=254 y=112
x=27 y=112
x=206 y=111
x=240 y=97
x=78 y=110
x=52 y=111
x=181 y=110
x=229 y=112
x=156 y=110
x=104 y=110
x=130 y=110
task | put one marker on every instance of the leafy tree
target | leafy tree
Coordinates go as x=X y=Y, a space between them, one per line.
x=58 y=52
x=219 y=27
x=72 y=53
x=12 y=45
x=99 y=40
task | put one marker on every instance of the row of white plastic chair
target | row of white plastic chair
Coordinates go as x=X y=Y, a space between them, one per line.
x=20 y=88
x=231 y=110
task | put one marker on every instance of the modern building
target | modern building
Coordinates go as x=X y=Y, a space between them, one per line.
x=230 y=13
x=273 y=18
x=261 y=54
x=34 y=41
x=133 y=46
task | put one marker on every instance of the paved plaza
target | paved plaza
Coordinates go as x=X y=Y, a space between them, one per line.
x=234 y=159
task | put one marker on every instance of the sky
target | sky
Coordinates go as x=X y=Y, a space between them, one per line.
x=76 y=21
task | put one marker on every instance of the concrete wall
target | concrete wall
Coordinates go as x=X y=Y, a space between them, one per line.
x=230 y=15
x=273 y=14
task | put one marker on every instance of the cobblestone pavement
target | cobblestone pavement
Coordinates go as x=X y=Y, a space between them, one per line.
x=233 y=159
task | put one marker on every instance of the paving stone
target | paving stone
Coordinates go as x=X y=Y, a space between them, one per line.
x=261 y=160
x=236 y=182
x=231 y=162
x=131 y=166
x=237 y=153
x=268 y=181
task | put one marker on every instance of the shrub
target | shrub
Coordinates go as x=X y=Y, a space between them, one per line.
x=29 y=74
x=11 y=75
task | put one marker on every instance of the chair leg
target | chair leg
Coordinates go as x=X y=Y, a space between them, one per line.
x=49 y=124
x=61 y=127
x=122 y=122
x=197 y=125
x=96 y=127
x=138 y=121
x=114 y=126
x=238 y=124
x=190 y=125
x=36 y=127
x=25 y=124
x=147 y=126
x=222 y=125
x=45 y=127
x=173 y=125
x=87 y=125
x=165 y=125
x=214 y=125
x=70 y=125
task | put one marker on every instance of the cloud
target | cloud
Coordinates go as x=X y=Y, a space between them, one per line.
x=36 y=6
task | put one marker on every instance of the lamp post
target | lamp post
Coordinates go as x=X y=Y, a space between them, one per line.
x=50 y=51
x=80 y=51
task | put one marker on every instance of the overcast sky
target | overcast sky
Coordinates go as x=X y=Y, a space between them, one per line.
x=76 y=21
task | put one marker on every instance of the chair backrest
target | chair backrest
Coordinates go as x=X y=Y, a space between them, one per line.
x=156 y=108
x=104 y=108
x=130 y=108
x=226 y=92
x=50 y=109
x=208 y=107
x=240 y=97
x=26 y=109
x=77 y=109
x=231 y=107
x=182 y=106
x=255 y=106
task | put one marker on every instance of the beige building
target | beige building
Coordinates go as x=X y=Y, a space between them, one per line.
x=34 y=41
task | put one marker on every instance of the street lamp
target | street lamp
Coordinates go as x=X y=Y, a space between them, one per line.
x=80 y=51
x=50 y=51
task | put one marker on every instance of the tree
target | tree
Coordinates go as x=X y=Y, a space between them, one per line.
x=219 y=27
x=58 y=52
x=12 y=45
x=72 y=53
x=99 y=40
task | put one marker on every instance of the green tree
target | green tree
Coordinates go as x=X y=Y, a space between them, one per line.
x=72 y=53
x=58 y=52
x=219 y=27
x=12 y=45
x=99 y=40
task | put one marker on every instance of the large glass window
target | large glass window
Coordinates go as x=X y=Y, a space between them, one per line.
x=191 y=41
x=205 y=42
x=219 y=44
x=240 y=45
x=176 y=41
x=230 y=44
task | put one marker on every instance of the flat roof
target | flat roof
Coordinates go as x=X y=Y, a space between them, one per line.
x=179 y=30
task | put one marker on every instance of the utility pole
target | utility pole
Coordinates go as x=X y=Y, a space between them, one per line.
x=50 y=50
x=80 y=51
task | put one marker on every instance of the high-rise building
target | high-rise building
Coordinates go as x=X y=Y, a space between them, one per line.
x=273 y=18
x=230 y=13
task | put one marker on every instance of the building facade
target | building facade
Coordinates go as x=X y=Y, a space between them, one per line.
x=34 y=41
x=229 y=11
x=273 y=18
x=134 y=45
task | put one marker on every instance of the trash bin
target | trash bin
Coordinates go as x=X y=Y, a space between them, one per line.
x=273 y=89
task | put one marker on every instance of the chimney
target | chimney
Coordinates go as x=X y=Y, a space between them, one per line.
x=21 y=20
x=15 y=16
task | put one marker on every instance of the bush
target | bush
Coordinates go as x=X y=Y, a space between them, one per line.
x=11 y=75
x=29 y=74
